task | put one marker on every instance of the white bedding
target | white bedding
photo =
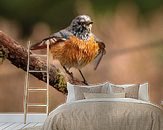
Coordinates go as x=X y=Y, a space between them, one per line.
x=128 y=100
x=105 y=114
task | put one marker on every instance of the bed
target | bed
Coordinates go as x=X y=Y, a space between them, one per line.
x=99 y=108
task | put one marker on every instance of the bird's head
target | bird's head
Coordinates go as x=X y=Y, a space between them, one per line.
x=81 y=26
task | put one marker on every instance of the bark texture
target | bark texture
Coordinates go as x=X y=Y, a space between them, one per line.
x=18 y=55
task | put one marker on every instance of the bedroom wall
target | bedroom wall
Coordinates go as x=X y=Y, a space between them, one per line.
x=134 y=54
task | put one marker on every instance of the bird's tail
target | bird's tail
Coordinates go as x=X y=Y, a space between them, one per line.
x=102 y=52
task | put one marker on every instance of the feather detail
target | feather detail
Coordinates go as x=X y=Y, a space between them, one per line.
x=75 y=52
x=43 y=44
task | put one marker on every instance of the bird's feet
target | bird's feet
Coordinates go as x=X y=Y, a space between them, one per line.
x=68 y=72
x=85 y=82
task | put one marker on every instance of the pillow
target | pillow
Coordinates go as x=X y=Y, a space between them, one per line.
x=106 y=89
x=76 y=92
x=104 y=95
x=121 y=85
x=130 y=90
x=143 y=92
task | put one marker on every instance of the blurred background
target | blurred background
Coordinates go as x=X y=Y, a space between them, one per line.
x=131 y=29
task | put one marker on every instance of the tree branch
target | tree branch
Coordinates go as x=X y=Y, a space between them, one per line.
x=18 y=55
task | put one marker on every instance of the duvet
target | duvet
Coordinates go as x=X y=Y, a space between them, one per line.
x=105 y=114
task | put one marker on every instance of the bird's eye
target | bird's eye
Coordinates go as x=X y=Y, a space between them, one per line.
x=80 y=23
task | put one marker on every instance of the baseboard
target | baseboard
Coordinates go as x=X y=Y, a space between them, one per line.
x=19 y=117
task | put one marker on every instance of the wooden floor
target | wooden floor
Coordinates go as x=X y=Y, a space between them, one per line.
x=17 y=126
x=15 y=121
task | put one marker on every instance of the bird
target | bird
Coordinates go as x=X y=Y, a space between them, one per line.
x=74 y=46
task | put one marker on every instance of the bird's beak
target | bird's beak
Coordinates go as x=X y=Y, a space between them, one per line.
x=90 y=22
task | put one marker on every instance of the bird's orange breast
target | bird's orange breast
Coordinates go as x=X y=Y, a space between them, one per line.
x=75 y=52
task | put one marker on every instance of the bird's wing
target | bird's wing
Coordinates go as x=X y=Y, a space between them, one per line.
x=101 y=52
x=52 y=39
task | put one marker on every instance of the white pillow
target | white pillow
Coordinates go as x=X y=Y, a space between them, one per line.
x=143 y=92
x=76 y=92
x=131 y=91
x=71 y=95
x=121 y=85
x=104 y=95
